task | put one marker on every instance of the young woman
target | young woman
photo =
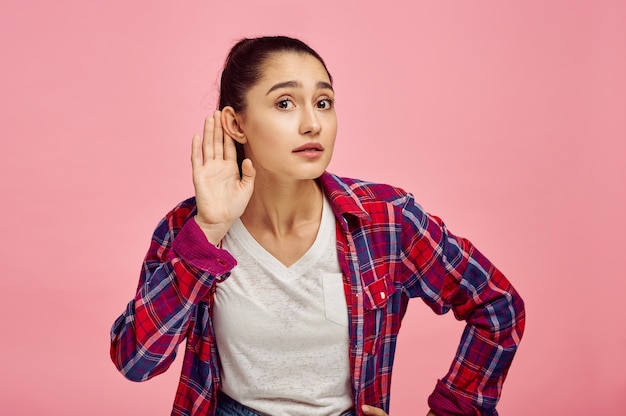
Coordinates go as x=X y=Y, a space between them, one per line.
x=288 y=283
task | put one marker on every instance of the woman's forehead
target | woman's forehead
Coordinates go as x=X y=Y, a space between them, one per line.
x=293 y=66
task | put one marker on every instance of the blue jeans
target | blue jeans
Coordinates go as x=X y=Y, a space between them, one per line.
x=227 y=406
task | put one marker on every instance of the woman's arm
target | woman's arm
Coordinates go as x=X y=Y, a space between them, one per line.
x=450 y=273
x=183 y=262
x=178 y=271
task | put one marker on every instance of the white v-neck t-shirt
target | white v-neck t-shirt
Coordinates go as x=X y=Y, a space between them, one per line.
x=282 y=332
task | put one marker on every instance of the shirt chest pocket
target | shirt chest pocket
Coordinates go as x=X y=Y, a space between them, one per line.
x=377 y=316
x=334 y=298
x=377 y=293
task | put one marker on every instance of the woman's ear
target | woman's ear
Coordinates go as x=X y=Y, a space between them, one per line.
x=231 y=123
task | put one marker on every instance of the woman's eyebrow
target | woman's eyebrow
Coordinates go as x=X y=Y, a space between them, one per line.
x=324 y=86
x=296 y=84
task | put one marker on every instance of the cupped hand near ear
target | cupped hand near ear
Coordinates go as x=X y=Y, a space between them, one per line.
x=221 y=194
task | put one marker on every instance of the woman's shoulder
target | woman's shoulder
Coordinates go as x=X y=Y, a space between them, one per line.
x=184 y=208
x=364 y=190
x=177 y=216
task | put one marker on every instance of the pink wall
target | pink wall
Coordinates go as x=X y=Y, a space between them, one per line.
x=507 y=119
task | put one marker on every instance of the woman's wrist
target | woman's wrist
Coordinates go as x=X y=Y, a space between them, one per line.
x=214 y=233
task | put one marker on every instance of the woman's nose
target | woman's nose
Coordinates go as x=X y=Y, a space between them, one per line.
x=310 y=122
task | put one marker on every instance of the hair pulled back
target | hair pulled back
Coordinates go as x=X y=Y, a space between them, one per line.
x=244 y=64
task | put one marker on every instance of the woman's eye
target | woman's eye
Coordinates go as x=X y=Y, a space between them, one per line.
x=284 y=104
x=325 y=104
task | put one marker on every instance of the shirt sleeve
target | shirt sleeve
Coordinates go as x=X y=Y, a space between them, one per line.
x=449 y=273
x=177 y=273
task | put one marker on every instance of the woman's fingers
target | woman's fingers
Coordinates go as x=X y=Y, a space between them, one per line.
x=196 y=152
x=218 y=137
x=207 y=139
x=230 y=151
x=248 y=174
x=215 y=143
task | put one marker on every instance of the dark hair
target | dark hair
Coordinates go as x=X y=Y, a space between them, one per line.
x=243 y=66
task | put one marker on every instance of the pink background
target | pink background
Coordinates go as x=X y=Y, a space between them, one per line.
x=507 y=119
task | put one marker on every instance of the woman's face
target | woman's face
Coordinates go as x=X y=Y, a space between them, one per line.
x=290 y=123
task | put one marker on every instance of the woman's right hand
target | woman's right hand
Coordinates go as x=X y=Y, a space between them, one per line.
x=221 y=194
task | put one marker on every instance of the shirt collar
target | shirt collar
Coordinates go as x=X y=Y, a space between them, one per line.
x=342 y=197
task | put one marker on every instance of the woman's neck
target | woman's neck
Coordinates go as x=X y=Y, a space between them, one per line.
x=279 y=208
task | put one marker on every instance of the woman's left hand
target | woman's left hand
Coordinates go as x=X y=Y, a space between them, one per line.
x=373 y=411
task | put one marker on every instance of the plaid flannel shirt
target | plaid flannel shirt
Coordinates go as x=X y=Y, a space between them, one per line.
x=389 y=250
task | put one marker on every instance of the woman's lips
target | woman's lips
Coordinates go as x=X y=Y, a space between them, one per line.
x=309 y=147
x=310 y=150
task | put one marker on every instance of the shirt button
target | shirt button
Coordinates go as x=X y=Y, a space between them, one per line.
x=382 y=295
